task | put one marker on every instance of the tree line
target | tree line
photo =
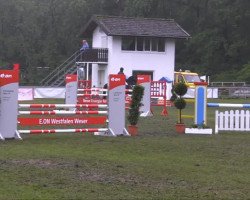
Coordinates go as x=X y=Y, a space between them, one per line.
x=40 y=35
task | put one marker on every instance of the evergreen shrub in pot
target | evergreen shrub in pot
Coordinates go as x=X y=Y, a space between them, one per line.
x=179 y=90
x=134 y=110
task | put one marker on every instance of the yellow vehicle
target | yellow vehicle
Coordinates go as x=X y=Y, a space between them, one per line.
x=186 y=77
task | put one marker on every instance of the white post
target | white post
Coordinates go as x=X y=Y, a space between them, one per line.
x=87 y=71
x=216 y=121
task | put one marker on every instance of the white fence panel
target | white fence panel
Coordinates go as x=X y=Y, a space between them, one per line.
x=232 y=120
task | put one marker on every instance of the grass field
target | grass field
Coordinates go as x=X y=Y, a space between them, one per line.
x=157 y=164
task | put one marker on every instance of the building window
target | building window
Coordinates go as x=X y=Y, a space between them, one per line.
x=146 y=44
x=139 y=44
x=128 y=43
x=154 y=44
x=143 y=44
x=161 y=45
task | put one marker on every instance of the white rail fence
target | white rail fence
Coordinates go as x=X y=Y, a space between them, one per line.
x=233 y=120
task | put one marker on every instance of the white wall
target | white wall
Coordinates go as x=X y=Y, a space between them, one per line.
x=161 y=63
x=98 y=43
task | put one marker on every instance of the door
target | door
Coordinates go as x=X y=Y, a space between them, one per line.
x=140 y=72
x=101 y=74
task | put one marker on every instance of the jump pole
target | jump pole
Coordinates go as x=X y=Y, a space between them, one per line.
x=9 y=83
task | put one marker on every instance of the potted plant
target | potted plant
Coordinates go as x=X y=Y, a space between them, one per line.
x=134 y=110
x=179 y=90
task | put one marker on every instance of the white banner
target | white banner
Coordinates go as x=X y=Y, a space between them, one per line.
x=211 y=93
x=25 y=94
x=58 y=93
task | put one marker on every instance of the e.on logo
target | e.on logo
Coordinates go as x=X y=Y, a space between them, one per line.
x=140 y=78
x=113 y=79
x=6 y=76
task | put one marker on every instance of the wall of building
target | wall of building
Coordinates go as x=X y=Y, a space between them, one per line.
x=161 y=63
x=100 y=40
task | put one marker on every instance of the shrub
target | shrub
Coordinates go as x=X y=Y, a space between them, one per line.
x=180 y=89
x=134 y=110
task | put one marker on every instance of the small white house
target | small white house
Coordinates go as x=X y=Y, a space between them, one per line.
x=140 y=46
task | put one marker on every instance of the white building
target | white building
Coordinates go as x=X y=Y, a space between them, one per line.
x=140 y=46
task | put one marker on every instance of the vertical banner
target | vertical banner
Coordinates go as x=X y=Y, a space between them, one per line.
x=8 y=102
x=200 y=103
x=71 y=89
x=145 y=81
x=116 y=104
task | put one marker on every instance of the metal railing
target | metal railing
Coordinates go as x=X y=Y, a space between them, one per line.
x=94 y=55
x=227 y=84
x=61 y=69
x=56 y=77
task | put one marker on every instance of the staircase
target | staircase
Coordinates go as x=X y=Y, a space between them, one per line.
x=57 y=77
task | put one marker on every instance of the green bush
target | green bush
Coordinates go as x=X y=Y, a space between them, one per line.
x=134 y=110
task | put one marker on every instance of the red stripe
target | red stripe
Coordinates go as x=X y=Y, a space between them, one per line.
x=42 y=106
x=87 y=130
x=42 y=131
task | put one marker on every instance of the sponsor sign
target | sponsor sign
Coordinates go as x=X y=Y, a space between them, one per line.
x=71 y=89
x=144 y=80
x=116 y=104
x=91 y=101
x=62 y=121
x=8 y=103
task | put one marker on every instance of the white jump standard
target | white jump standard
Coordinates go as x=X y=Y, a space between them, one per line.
x=9 y=80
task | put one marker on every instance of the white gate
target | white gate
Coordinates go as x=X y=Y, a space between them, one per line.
x=233 y=120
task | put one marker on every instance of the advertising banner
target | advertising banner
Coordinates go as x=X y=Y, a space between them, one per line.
x=69 y=121
x=25 y=94
x=48 y=92
x=8 y=102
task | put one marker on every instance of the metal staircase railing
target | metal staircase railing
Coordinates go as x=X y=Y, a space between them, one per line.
x=57 y=76
x=61 y=80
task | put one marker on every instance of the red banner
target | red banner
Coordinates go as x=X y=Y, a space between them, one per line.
x=71 y=78
x=91 y=101
x=143 y=79
x=62 y=121
x=8 y=76
x=116 y=80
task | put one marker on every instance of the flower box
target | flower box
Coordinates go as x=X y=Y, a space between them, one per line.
x=198 y=130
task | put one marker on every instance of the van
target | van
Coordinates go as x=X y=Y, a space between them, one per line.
x=186 y=77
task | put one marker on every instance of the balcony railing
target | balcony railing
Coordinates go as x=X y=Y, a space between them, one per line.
x=94 y=55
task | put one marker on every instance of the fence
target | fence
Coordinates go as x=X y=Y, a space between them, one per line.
x=233 y=120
